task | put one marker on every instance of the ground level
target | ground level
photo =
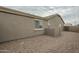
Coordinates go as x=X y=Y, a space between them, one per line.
x=67 y=42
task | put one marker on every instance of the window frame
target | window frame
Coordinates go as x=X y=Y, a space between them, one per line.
x=37 y=27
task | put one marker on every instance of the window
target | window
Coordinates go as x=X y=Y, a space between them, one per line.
x=38 y=24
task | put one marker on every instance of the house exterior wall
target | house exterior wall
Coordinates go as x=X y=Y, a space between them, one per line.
x=13 y=26
x=55 y=22
x=16 y=27
x=55 y=26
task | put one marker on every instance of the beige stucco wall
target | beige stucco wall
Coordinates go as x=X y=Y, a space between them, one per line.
x=15 y=27
x=55 y=22
x=54 y=29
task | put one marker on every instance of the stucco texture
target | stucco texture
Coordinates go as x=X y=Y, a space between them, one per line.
x=15 y=27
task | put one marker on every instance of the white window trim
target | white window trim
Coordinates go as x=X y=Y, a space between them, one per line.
x=39 y=29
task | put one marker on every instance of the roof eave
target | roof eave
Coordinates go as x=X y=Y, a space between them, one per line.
x=15 y=12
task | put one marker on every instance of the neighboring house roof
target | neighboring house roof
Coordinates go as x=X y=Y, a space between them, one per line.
x=19 y=13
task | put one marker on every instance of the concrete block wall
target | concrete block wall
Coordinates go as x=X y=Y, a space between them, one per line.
x=74 y=29
x=71 y=28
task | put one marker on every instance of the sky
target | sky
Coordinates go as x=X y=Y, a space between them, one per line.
x=68 y=13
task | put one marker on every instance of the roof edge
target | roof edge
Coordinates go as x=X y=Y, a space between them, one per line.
x=19 y=13
x=48 y=17
x=61 y=18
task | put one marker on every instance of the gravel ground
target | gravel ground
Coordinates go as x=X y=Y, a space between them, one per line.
x=68 y=42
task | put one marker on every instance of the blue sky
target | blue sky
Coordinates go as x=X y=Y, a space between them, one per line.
x=69 y=13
